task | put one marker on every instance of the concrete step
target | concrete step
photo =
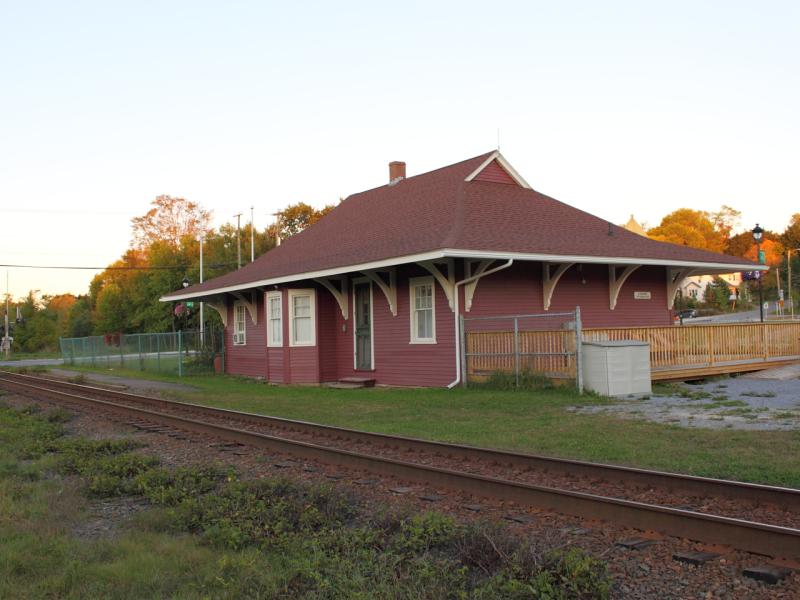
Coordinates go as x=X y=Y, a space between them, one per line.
x=344 y=386
x=360 y=381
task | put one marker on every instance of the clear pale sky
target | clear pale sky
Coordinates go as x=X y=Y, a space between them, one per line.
x=613 y=107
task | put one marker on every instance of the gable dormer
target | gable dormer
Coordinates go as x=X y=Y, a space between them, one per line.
x=496 y=169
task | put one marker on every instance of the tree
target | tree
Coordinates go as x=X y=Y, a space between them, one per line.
x=112 y=310
x=739 y=244
x=717 y=294
x=791 y=235
x=689 y=227
x=773 y=252
x=725 y=220
x=743 y=245
x=296 y=217
x=170 y=220
x=44 y=320
x=79 y=319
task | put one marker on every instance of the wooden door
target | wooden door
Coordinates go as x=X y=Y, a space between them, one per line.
x=363 y=326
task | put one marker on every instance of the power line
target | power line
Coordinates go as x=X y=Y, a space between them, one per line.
x=152 y=268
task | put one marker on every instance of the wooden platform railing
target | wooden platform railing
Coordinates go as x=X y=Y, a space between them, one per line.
x=717 y=348
x=548 y=352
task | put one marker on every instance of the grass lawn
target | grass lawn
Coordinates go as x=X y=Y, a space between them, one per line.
x=29 y=355
x=531 y=421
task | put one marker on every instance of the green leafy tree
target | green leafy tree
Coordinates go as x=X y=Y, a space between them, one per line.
x=79 y=318
x=112 y=310
x=43 y=321
x=717 y=294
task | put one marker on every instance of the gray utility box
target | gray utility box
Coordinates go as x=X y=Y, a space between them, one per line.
x=617 y=368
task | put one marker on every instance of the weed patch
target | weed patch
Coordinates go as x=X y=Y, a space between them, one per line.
x=785 y=415
x=724 y=403
x=527 y=380
x=759 y=394
x=264 y=538
x=165 y=487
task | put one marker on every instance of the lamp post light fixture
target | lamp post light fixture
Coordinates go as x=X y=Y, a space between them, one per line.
x=758 y=233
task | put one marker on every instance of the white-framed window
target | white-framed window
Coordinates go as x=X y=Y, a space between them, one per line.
x=274 y=319
x=239 y=329
x=302 y=322
x=423 y=310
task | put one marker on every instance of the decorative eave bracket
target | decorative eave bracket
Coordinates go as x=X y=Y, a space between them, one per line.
x=469 y=289
x=616 y=282
x=250 y=304
x=447 y=282
x=675 y=277
x=550 y=280
x=340 y=293
x=220 y=305
x=389 y=288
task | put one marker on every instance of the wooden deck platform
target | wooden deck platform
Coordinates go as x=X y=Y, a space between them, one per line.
x=676 y=352
x=684 y=373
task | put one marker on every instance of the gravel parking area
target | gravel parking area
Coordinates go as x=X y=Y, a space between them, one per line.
x=767 y=400
x=129 y=384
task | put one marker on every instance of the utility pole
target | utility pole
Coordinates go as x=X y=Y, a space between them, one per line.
x=238 y=241
x=202 y=320
x=6 y=336
x=252 y=236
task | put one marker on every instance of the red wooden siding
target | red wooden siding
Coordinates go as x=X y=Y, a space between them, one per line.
x=397 y=361
x=297 y=364
x=494 y=173
x=516 y=290
x=275 y=365
x=249 y=359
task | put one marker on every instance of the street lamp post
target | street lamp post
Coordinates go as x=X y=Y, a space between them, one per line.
x=789 y=282
x=758 y=233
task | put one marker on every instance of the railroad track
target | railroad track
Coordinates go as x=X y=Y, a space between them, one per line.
x=768 y=539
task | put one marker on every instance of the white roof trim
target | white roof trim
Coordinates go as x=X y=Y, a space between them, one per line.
x=378 y=264
x=708 y=267
x=503 y=163
x=713 y=267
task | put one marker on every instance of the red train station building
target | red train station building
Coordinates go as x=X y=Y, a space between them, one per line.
x=375 y=288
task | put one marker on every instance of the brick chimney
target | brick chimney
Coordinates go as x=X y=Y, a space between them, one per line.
x=397 y=171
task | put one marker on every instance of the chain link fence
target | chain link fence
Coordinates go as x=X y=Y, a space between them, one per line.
x=180 y=353
x=523 y=347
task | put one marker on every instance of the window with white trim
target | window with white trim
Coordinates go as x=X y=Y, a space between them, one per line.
x=423 y=309
x=274 y=319
x=302 y=324
x=239 y=331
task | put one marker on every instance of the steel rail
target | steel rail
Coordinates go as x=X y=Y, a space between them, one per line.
x=771 y=540
x=787 y=498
